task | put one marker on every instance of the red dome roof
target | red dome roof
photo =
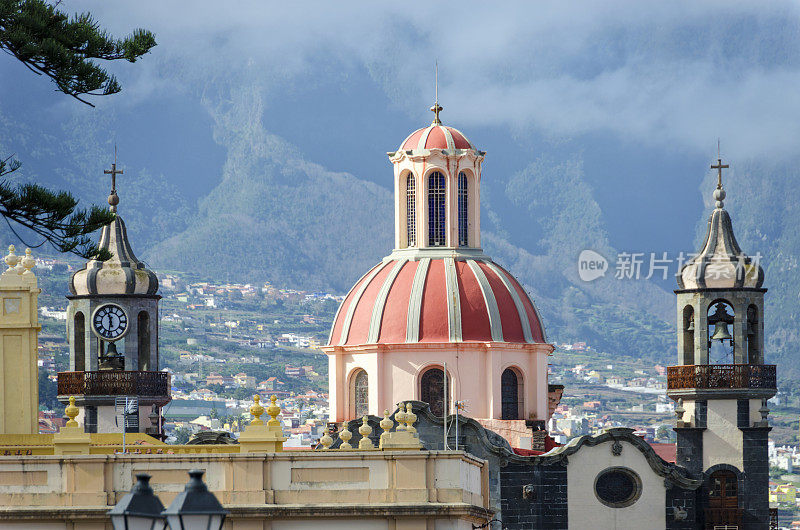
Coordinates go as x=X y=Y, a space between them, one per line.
x=436 y=137
x=436 y=300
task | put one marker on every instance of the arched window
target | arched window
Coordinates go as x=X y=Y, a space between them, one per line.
x=144 y=340
x=411 y=210
x=432 y=390
x=688 y=335
x=436 y=209
x=510 y=392
x=360 y=394
x=79 y=342
x=463 y=207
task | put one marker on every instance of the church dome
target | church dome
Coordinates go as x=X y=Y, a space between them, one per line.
x=720 y=263
x=121 y=274
x=436 y=136
x=436 y=300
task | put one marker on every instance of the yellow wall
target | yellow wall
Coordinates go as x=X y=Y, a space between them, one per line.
x=19 y=344
x=398 y=489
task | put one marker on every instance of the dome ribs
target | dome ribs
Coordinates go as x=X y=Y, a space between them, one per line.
x=415 y=300
x=393 y=326
x=380 y=302
x=490 y=301
x=432 y=326
x=362 y=315
x=353 y=298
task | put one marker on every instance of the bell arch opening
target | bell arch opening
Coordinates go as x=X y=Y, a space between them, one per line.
x=753 y=336
x=79 y=341
x=143 y=346
x=688 y=335
x=720 y=340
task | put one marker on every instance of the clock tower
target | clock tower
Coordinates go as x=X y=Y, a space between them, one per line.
x=112 y=327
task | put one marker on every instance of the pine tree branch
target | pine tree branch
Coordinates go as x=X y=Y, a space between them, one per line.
x=49 y=42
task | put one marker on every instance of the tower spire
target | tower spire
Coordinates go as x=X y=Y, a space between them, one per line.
x=436 y=108
x=113 y=198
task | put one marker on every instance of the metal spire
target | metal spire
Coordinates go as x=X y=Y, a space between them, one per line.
x=436 y=108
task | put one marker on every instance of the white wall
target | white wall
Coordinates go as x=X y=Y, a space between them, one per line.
x=587 y=512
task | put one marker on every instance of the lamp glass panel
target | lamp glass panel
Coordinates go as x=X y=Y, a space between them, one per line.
x=142 y=523
x=216 y=522
x=197 y=522
x=118 y=521
x=174 y=522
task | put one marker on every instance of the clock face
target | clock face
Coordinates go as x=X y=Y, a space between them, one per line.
x=110 y=322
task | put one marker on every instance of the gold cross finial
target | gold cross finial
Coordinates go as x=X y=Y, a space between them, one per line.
x=436 y=108
x=719 y=167
x=113 y=198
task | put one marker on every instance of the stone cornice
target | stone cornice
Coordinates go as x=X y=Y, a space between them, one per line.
x=434 y=346
x=673 y=473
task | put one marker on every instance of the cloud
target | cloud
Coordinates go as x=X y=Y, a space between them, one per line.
x=676 y=74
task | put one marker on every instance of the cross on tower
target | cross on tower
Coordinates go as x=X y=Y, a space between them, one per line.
x=114 y=172
x=719 y=167
x=113 y=198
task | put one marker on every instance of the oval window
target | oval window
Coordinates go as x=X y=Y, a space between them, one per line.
x=618 y=487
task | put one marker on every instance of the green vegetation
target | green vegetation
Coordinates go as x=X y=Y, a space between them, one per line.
x=51 y=43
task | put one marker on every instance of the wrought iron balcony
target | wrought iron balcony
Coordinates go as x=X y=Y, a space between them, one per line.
x=114 y=383
x=721 y=376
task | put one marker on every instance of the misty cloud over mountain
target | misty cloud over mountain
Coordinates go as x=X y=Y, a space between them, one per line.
x=250 y=129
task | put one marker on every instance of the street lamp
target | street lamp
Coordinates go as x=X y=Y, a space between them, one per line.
x=140 y=509
x=195 y=508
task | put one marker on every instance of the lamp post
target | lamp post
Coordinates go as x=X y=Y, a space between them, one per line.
x=140 y=509
x=195 y=508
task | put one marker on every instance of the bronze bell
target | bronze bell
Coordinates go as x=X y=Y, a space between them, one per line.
x=721 y=331
x=690 y=327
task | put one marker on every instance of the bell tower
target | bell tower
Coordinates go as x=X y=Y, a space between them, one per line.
x=721 y=383
x=112 y=327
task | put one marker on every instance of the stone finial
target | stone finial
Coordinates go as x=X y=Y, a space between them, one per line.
x=365 y=430
x=764 y=411
x=679 y=411
x=11 y=259
x=273 y=410
x=71 y=412
x=386 y=423
x=410 y=419
x=28 y=262
x=400 y=416
x=344 y=436
x=326 y=441
x=256 y=410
